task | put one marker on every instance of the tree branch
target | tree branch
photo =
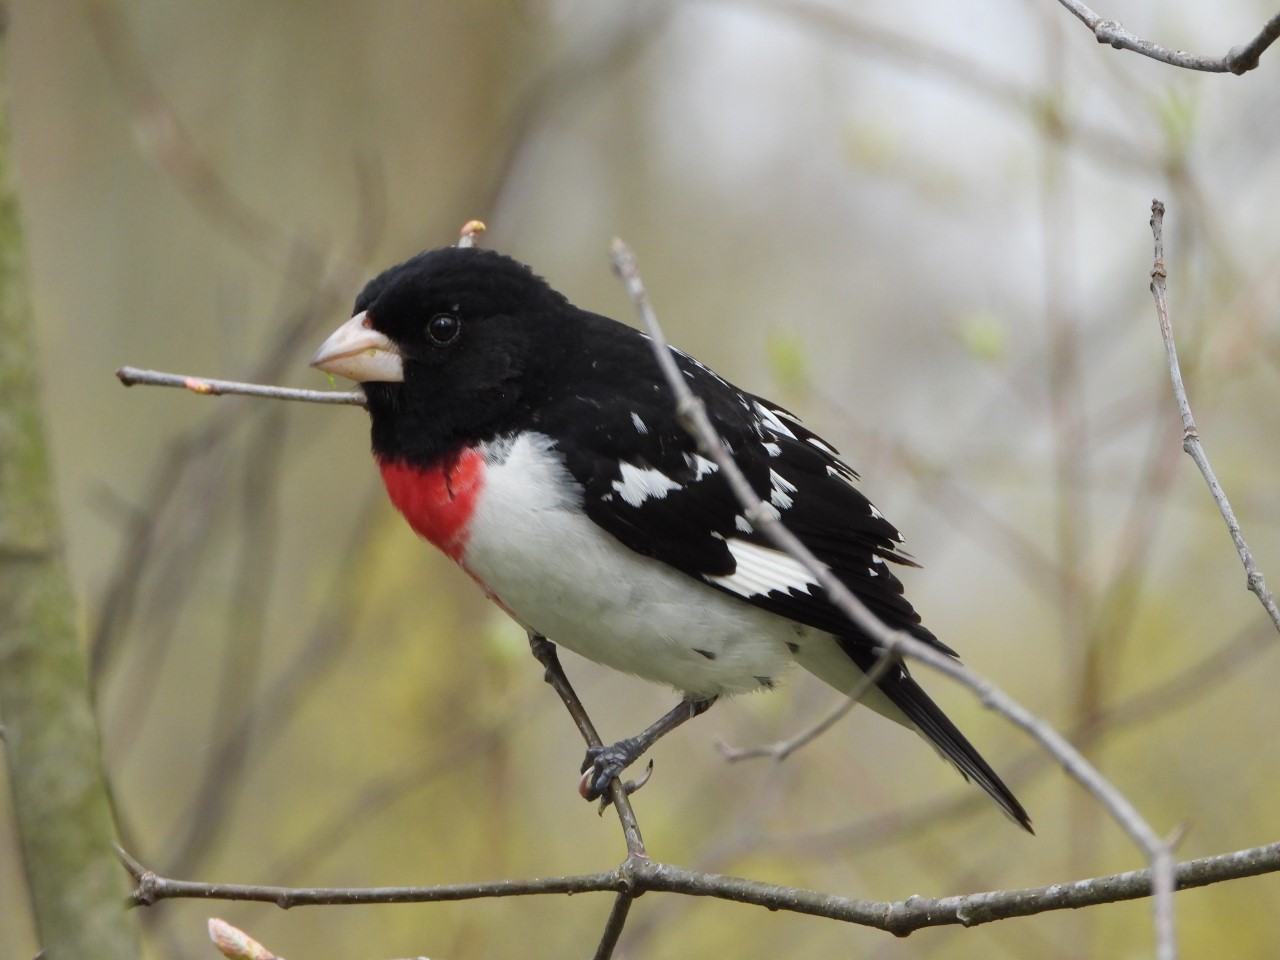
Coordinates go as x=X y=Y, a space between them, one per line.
x=1237 y=60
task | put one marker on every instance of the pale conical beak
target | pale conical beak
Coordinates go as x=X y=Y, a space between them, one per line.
x=358 y=352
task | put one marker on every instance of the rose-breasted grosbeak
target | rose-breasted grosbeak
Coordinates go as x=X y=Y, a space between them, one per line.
x=537 y=445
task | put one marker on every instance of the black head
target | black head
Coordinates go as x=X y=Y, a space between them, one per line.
x=443 y=347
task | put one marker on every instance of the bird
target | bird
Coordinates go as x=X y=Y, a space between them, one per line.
x=537 y=445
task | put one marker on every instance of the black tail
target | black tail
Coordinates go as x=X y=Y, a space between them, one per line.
x=909 y=697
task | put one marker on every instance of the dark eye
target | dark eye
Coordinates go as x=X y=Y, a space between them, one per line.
x=443 y=328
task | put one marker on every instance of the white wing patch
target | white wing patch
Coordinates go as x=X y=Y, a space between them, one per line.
x=770 y=419
x=640 y=426
x=701 y=465
x=781 y=490
x=841 y=472
x=638 y=484
x=761 y=570
x=823 y=446
x=788 y=416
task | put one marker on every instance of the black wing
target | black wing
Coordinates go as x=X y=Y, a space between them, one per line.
x=646 y=484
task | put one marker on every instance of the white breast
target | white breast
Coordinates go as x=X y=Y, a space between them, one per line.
x=561 y=575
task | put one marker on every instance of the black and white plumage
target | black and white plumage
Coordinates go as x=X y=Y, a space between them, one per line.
x=537 y=445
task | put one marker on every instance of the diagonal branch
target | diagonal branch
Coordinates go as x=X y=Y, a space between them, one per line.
x=693 y=416
x=1190 y=435
x=544 y=651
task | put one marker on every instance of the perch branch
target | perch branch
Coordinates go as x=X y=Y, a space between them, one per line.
x=544 y=651
x=641 y=875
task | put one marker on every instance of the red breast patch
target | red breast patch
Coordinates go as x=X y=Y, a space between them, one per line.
x=438 y=500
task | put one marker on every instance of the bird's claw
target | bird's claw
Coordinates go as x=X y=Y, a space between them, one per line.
x=606 y=798
x=602 y=764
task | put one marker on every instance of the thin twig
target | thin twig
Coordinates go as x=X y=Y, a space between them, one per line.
x=165 y=140
x=781 y=749
x=1237 y=60
x=219 y=784
x=1190 y=435
x=204 y=386
x=693 y=416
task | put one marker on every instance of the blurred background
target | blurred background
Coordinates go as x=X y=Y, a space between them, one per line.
x=923 y=226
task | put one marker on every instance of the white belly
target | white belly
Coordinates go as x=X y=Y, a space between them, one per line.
x=606 y=603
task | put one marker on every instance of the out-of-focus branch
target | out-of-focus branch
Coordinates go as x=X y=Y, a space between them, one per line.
x=693 y=416
x=327 y=638
x=781 y=749
x=1190 y=435
x=61 y=805
x=242 y=649
x=909 y=52
x=1237 y=60
x=166 y=141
